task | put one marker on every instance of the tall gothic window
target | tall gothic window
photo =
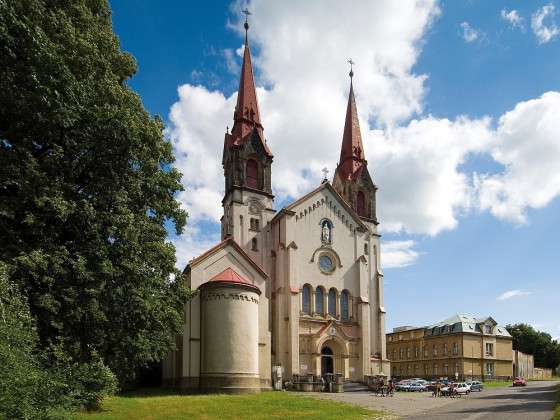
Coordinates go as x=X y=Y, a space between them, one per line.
x=332 y=302
x=361 y=203
x=306 y=299
x=251 y=173
x=344 y=305
x=319 y=301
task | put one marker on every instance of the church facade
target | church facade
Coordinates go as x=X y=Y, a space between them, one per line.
x=300 y=288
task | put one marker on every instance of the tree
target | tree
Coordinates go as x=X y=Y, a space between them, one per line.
x=87 y=187
x=546 y=352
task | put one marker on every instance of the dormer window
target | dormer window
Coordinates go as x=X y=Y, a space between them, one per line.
x=488 y=329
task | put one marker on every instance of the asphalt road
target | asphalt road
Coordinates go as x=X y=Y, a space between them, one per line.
x=533 y=402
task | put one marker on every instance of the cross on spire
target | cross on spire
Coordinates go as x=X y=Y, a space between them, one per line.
x=325 y=173
x=246 y=12
x=351 y=74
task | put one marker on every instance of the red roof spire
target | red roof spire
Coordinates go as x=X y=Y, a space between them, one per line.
x=246 y=116
x=352 y=151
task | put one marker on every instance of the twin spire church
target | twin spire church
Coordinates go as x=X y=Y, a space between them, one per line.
x=299 y=288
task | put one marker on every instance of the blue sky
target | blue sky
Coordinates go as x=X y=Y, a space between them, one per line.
x=455 y=84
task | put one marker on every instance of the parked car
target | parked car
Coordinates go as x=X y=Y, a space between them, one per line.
x=403 y=386
x=417 y=386
x=459 y=388
x=475 y=385
x=519 y=382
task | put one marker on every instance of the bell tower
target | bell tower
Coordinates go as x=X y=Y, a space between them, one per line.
x=352 y=179
x=247 y=162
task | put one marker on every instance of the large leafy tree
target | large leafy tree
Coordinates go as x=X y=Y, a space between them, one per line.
x=526 y=339
x=86 y=187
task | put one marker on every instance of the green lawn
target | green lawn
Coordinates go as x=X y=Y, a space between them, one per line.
x=267 y=405
x=497 y=384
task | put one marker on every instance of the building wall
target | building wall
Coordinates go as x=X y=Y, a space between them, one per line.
x=450 y=355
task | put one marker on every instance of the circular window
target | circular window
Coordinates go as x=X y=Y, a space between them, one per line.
x=326 y=264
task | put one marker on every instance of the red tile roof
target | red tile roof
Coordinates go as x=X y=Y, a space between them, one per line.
x=229 y=275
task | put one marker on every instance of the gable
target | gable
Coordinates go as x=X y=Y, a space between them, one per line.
x=227 y=254
x=325 y=195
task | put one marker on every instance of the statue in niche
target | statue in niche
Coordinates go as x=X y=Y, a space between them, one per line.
x=326 y=232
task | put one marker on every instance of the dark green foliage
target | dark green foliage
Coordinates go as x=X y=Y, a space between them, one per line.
x=86 y=186
x=545 y=350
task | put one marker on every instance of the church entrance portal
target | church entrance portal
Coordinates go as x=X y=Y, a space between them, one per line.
x=327 y=361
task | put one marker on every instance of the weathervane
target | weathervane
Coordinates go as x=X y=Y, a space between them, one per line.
x=246 y=24
x=351 y=74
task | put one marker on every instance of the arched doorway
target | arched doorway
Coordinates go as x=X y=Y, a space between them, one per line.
x=327 y=360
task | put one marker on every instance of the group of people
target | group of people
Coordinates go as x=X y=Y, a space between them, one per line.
x=440 y=392
x=380 y=389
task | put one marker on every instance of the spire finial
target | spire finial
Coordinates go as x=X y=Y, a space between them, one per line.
x=246 y=24
x=325 y=174
x=351 y=74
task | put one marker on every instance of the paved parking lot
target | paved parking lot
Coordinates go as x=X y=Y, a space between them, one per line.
x=536 y=401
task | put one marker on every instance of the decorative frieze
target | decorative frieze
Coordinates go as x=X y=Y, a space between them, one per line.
x=209 y=296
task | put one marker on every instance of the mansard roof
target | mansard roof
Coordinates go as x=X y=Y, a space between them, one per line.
x=465 y=323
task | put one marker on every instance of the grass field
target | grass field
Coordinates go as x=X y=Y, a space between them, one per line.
x=151 y=405
x=497 y=384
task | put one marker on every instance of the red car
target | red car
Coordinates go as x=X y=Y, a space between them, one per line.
x=519 y=382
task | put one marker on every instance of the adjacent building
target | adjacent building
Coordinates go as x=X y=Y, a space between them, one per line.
x=461 y=347
x=299 y=289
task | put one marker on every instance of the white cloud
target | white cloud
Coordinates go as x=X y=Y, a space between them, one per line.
x=191 y=244
x=528 y=146
x=544 y=25
x=511 y=294
x=469 y=34
x=416 y=163
x=513 y=17
x=232 y=64
x=396 y=254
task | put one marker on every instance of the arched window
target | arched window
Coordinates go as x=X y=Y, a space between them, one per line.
x=344 y=313
x=306 y=299
x=332 y=302
x=319 y=308
x=251 y=173
x=361 y=203
x=254 y=244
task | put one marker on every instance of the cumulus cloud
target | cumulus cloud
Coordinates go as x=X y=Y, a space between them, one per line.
x=415 y=159
x=395 y=254
x=512 y=294
x=528 y=146
x=513 y=17
x=469 y=33
x=543 y=24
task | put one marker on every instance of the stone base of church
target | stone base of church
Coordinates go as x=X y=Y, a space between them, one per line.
x=231 y=383
x=380 y=366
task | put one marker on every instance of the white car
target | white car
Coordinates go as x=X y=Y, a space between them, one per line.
x=459 y=388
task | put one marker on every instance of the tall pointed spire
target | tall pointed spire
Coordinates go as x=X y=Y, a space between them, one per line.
x=352 y=151
x=246 y=116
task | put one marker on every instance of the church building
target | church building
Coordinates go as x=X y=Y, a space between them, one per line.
x=300 y=288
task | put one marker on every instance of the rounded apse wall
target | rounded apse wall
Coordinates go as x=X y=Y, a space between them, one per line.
x=230 y=337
